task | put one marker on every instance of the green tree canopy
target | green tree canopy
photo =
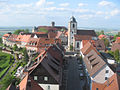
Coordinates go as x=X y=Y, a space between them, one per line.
x=21 y=30
x=26 y=57
x=15 y=47
x=0 y=40
x=100 y=32
x=116 y=55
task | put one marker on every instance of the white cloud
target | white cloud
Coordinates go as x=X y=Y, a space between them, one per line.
x=86 y=16
x=81 y=10
x=50 y=3
x=107 y=17
x=105 y=3
x=82 y=4
x=40 y=2
x=99 y=13
x=114 y=12
x=64 y=4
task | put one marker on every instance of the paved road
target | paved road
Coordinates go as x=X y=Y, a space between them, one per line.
x=73 y=79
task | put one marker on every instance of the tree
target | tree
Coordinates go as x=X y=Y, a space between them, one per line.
x=116 y=55
x=21 y=30
x=99 y=33
x=71 y=47
x=26 y=57
x=15 y=47
x=0 y=40
x=102 y=32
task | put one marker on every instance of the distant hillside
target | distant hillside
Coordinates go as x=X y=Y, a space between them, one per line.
x=4 y=30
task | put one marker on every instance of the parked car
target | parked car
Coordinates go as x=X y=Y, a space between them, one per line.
x=81 y=74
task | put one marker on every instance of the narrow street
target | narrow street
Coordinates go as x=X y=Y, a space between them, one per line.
x=73 y=81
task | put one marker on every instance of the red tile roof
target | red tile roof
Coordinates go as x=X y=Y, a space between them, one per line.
x=58 y=34
x=52 y=34
x=115 y=46
x=93 y=62
x=46 y=59
x=6 y=35
x=101 y=36
x=117 y=40
x=82 y=37
x=113 y=83
x=23 y=38
x=13 y=37
x=87 y=48
x=29 y=84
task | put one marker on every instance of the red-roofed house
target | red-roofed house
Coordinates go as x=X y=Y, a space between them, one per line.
x=29 y=84
x=40 y=44
x=47 y=70
x=102 y=36
x=112 y=83
x=116 y=45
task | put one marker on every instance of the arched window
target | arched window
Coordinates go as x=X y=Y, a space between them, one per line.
x=77 y=44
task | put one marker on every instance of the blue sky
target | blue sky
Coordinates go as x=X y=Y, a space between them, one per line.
x=88 y=13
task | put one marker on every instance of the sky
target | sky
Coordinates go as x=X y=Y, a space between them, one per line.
x=88 y=13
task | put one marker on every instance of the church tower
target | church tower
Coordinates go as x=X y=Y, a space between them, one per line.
x=72 y=30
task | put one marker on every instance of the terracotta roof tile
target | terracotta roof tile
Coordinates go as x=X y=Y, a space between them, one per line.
x=101 y=36
x=29 y=84
x=117 y=40
x=115 y=46
x=82 y=37
x=93 y=62
x=111 y=84
x=87 y=48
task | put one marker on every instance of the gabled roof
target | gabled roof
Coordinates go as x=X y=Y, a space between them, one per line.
x=52 y=34
x=43 y=41
x=13 y=37
x=29 y=84
x=11 y=87
x=115 y=46
x=93 y=62
x=86 y=32
x=102 y=36
x=23 y=38
x=33 y=42
x=87 y=48
x=117 y=40
x=6 y=35
x=50 y=63
x=86 y=41
x=58 y=34
x=113 y=83
x=99 y=44
x=82 y=37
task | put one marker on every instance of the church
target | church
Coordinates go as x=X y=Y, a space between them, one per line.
x=76 y=36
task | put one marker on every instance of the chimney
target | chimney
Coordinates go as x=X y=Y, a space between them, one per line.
x=53 y=24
